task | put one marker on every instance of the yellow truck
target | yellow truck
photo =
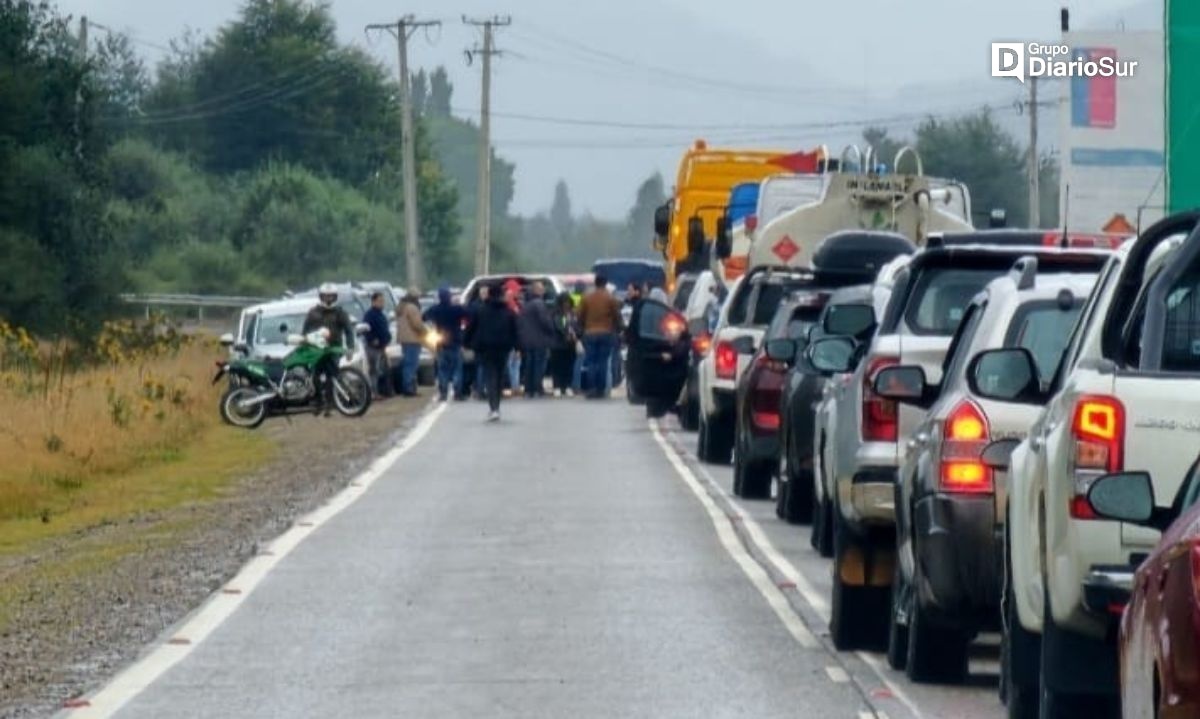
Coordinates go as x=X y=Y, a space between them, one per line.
x=686 y=225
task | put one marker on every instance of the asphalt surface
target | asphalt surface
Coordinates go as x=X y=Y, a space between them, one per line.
x=569 y=561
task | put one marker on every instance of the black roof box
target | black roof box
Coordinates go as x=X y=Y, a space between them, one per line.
x=859 y=252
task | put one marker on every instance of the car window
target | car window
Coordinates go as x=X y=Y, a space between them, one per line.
x=771 y=295
x=683 y=294
x=1044 y=328
x=957 y=356
x=251 y=326
x=940 y=297
x=1181 y=340
x=274 y=329
x=650 y=323
x=1075 y=343
x=740 y=303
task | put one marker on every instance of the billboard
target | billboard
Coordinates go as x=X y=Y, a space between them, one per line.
x=1112 y=134
x=1183 y=99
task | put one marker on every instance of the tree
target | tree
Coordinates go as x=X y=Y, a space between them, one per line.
x=978 y=152
x=440 y=91
x=560 y=212
x=884 y=146
x=639 y=223
x=420 y=92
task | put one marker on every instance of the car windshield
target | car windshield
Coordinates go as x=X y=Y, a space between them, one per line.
x=623 y=274
x=940 y=297
x=274 y=329
x=1044 y=330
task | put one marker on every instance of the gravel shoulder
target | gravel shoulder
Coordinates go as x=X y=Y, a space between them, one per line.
x=78 y=625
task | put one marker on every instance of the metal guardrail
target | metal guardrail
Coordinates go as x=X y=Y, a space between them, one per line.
x=199 y=302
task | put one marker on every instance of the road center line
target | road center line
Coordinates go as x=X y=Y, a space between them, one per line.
x=733 y=546
x=221 y=605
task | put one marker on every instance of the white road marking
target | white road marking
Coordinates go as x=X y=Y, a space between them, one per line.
x=866 y=714
x=729 y=540
x=837 y=675
x=220 y=606
x=783 y=566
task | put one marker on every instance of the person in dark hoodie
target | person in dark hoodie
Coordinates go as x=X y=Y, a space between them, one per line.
x=492 y=334
x=448 y=318
x=536 y=334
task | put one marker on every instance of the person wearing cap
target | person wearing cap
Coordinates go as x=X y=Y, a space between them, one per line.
x=410 y=333
x=448 y=318
x=537 y=334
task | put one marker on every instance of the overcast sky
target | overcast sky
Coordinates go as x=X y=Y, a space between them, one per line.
x=660 y=73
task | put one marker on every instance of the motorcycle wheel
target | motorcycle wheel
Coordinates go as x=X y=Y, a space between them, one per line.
x=235 y=414
x=352 y=392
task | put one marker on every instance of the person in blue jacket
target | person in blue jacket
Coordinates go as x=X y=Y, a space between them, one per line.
x=377 y=339
x=448 y=318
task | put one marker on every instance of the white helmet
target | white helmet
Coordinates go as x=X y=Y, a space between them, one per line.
x=327 y=293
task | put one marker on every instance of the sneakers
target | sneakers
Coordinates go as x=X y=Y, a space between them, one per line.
x=494 y=416
x=507 y=393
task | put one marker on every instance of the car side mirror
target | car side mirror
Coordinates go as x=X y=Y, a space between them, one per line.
x=1128 y=497
x=998 y=454
x=905 y=383
x=782 y=350
x=832 y=355
x=662 y=220
x=695 y=236
x=744 y=345
x=226 y=340
x=848 y=320
x=241 y=347
x=724 y=246
x=1006 y=375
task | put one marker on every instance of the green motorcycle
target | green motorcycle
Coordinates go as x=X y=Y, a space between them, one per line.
x=272 y=387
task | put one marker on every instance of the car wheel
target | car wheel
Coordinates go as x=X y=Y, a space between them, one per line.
x=822 y=527
x=1056 y=704
x=935 y=654
x=1018 y=649
x=897 y=649
x=689 y=416
x=858 y=613
x=781 y=490
x=716 y=440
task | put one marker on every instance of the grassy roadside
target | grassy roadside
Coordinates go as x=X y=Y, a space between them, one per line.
x=94 y=456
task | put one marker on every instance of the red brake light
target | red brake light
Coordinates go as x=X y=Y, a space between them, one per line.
x=673 y=326
x=766 y=392
x=879 y=421
x=726 y=360
x=965 y=434
x=1098 y=429
x=701 y=344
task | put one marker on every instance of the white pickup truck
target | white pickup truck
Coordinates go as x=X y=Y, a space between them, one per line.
x=1124 y=398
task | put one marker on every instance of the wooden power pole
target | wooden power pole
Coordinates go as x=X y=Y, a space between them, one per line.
x=483 y=209
x=403 y=30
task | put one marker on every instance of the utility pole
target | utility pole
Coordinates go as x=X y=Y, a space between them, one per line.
x=83 y=56
x=1035 y=194
x=403 y=30
x=483 y=209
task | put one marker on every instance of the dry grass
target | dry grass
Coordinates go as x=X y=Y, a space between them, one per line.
x=96 y=434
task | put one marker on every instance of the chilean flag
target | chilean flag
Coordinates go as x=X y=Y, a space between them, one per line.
x=1094 y=99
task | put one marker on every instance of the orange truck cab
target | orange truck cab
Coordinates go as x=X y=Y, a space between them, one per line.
x=686 y=225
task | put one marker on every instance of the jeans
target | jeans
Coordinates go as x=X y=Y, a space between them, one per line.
x=535 y=371
x=598 y=350
x=381 y=379
x=514 y=370
x=577 y=373
x=449 y=370
x=493 y=364
x=409 y=366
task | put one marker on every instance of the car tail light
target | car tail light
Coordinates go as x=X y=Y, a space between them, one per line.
x=879 y=421
x=1098 y=432
x=766 y=393
x=726 y=360
x=701 y=344
x=965 y=434
x=673 y=326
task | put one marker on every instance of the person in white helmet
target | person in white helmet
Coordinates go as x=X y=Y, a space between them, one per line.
x=327 y=315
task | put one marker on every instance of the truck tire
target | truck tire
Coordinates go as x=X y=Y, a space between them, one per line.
x=858 y=617
x=1058 y=704
x=1020 y=656
x=795 y=500
x=935 y=654
x=821 y=537
x=689 y=415
x=751 y=480
x=897 y=649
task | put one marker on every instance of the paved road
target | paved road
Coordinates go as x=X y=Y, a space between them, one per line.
x=566 y=562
